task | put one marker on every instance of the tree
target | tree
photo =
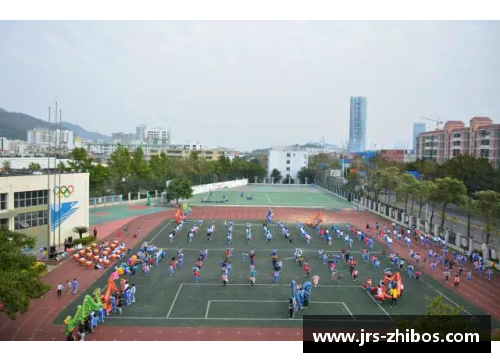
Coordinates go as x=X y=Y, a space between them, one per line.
x=487 y=205
x=277 y=175
x=79 y=160
x=476 y=173
x=33 y=166
x=306 y=172
x=99 y=178
x=120 y=168
x=448 y=191
x=6 y=166
x=423 y=190
x=80 y=230
x=139 y=166
x=179 y=188
x=389 y=178
x=19 y=273
x=406 y=186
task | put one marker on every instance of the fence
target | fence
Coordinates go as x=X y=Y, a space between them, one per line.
x=130 y=198
x=453 y=240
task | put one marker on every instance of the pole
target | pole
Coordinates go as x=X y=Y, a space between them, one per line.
x=59 y=171
x=55 y=171
x=48 y=194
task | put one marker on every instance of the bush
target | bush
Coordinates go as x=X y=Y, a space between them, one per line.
x=85 y=241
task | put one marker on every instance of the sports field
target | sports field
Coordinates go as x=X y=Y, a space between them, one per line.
x=178 y=301
x=273 y=195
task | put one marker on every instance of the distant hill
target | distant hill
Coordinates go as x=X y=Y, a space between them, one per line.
x=83 y=133
x=15 y=125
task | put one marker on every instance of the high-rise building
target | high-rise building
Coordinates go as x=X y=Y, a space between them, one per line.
x=357 y=124
x=417 y=129
x=140 y=132
x=123 y=138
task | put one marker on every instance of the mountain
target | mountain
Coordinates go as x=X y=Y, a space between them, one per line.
x=14 y=125
x=87 y=135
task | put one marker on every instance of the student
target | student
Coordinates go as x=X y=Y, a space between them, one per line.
x=457 y=280
x=75 y=286
x=196 y=275
x=59 y=290
x=291 y=307
x=394 y=294
x=276 y=277
x=69 y=286
x=133 y=289
x=315 y=280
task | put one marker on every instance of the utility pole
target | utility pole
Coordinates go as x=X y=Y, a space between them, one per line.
x=55 y=174
x=59 y=171
x=48 y=194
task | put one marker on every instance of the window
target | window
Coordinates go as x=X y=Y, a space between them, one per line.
x=484 y=153
x=287 y=155
x=3 y=201
x=31 y=219
x=30 y=198
x=4 y=223
x=288 y=162
x=288 y=168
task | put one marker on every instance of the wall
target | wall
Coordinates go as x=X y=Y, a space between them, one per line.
x=71 y=208
x=200 y=189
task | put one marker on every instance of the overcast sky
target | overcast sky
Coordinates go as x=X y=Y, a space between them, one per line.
x=251 y=85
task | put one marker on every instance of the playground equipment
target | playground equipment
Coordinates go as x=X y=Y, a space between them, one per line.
x=90 y=304
x=388 y=277
x=315 y=220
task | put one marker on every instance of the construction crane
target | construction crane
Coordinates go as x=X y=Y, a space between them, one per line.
x=438 y=122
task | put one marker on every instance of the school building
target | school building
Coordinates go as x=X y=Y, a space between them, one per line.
x=46 y=207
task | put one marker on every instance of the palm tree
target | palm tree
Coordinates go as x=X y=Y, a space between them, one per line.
x=80 y=230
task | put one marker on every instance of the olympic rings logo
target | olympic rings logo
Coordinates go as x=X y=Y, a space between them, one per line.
x=64 y=191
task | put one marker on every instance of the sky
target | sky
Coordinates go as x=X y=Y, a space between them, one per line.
x=252 y=84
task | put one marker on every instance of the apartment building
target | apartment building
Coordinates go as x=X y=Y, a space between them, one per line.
x=481 y=139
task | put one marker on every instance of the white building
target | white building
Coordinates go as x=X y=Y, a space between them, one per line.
x=12 y=147
x=39 y=138
x=157 y=133
x=30 y=204
x=288 y=160
x=20 y=163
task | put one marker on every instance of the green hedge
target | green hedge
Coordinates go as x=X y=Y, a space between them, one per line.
x=85 y=241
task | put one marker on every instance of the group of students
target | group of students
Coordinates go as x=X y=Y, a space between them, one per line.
x=117 y=300
x=300 y=296
x=199 y=264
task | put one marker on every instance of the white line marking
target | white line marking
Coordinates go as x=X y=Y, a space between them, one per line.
x=235 y=319
x=378 y=305
x=208 y=308
x=446 y=297
x=159 y=232
x=175 y=299
x=268 y=199
x=345 y=306
x=269 y=285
